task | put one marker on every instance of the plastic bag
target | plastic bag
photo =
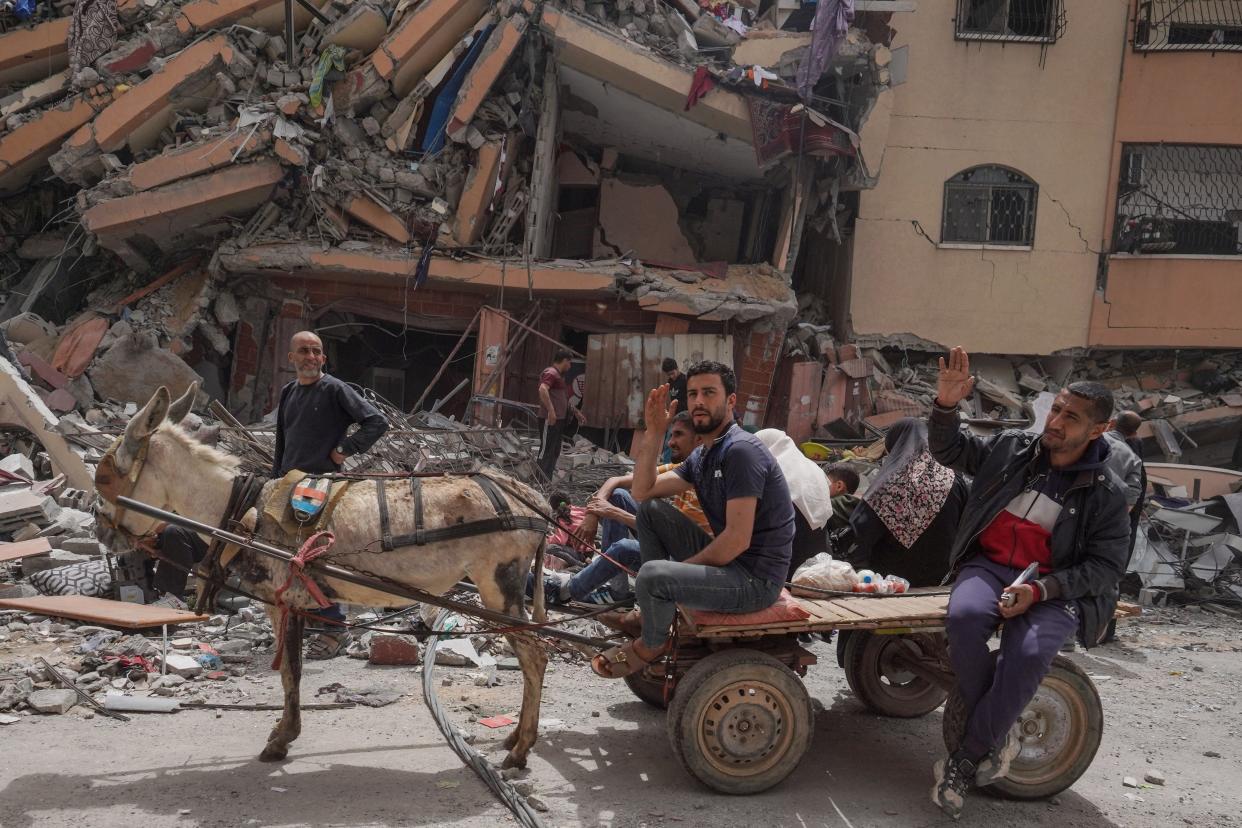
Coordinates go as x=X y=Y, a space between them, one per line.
x=823 y=572
x=25 y=9
x=877 y=584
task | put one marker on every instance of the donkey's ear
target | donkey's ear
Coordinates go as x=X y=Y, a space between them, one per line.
x=149 y=418
x=182 y=406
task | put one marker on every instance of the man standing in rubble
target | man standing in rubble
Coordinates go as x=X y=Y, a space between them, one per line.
x=1051 y=502
x=747 y=502
x=314 y=413
x=554 y=399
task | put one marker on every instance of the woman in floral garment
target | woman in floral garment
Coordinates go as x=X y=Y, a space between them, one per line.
x=908 y=518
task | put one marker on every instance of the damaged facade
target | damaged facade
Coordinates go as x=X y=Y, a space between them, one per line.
x=380 y=170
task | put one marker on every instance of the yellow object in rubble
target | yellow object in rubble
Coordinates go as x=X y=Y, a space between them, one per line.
x=815 y=451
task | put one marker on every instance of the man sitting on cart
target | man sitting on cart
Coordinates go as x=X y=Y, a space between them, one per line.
x=746 y=500
x=1050 y=502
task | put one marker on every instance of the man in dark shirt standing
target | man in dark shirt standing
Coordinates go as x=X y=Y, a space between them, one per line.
x=315 y=411
x=746 y=500
x=555 y=408
x=676 y=383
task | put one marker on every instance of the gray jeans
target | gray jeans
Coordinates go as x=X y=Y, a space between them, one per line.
x=664 y=532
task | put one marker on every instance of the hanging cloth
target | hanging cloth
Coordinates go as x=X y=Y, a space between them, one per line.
x=92 y=32
x=832 y=22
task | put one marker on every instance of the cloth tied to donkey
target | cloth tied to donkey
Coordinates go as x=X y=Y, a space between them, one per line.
x=316 y=545
x=279 y=512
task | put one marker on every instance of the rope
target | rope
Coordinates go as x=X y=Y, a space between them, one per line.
x=316 y=545
x=511 y=799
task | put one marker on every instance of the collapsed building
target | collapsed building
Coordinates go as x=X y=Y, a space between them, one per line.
x=632 y=178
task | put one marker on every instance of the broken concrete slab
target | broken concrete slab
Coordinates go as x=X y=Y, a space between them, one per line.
x=186 y=81
x=422 y=38
x=20 y=406
x=161 y=216
x=24 y=152
x=379 y=265
x=362 y=27
x=31 y=53
x=197 y=157
x=53 y=560
x=54 y=702
x=500 y=46
x=371 y=213
x=476 y=198
x=134 y=368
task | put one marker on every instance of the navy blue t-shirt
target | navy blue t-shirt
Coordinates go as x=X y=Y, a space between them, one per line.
x=736 y=465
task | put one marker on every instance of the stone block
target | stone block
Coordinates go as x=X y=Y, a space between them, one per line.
x=52 y=701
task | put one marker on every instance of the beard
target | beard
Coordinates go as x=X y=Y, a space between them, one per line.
x=1053 y=443
x=714 y=420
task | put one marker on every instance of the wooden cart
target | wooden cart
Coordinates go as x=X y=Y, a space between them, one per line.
x=740 y=718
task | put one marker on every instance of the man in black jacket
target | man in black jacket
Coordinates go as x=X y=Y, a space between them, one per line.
x=1049 y=501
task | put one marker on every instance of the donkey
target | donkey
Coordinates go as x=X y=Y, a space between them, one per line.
x=165 y=467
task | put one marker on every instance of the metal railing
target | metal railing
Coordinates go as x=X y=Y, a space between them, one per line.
x=1181 y=199
x=1188 y=25
x=1022 y=21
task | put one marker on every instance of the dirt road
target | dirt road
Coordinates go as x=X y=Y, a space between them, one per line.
x=1169 y=691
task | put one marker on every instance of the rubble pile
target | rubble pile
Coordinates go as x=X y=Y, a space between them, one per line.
x=1178 y=396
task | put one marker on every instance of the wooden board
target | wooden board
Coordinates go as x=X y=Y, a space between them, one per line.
x=101 y=611
x=912 y=610
x=24 y=549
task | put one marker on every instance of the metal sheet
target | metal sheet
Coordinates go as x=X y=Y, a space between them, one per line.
x=623 y=367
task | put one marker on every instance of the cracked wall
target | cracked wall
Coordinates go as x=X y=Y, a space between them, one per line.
x=974 y=103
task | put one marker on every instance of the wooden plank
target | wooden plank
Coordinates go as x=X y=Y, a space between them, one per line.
x=846 y=613
x=24 y=549
x=591 y=403
x=102 y=611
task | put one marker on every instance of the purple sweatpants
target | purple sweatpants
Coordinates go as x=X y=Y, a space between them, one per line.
x=1029 y=642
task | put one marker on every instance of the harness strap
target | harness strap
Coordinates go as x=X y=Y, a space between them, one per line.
x=496 y=497
x=385 y=527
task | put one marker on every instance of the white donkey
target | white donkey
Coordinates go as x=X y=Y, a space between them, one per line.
x=158 y=463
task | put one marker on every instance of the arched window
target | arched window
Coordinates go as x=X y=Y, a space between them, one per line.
x=989 y=205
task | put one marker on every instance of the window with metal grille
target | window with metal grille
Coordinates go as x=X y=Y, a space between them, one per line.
x=989 y=205
x=1188 y=25
x=1029 y=21
x=1179 y=198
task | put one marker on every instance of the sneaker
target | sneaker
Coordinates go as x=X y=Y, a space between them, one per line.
x=600 y=596
x=953 y=778
x=995 y=765
x=556 y=588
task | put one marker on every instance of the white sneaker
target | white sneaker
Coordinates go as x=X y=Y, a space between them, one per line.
x=995 y=765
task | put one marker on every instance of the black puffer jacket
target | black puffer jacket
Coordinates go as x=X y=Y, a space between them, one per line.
x=1090 y=540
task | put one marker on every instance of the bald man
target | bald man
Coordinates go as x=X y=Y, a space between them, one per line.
x=315 y=411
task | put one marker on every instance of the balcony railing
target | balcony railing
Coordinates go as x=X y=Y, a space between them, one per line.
x=1188 y=25
x=1179 y=198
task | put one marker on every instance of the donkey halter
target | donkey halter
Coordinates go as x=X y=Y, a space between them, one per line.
x=111 y=484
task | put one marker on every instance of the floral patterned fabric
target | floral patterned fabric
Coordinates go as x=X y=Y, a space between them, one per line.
x=911 y=498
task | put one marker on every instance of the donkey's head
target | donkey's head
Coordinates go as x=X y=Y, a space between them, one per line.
x=120 y=473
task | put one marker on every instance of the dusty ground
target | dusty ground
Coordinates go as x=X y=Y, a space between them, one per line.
x=1169 y=692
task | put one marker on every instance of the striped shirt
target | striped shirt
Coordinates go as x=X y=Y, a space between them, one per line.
x=687 y=502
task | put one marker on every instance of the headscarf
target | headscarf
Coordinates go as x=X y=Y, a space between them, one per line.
x=911 y=488
x=808 y=486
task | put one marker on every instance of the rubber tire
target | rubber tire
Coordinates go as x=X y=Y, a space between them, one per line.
x=1086 y=730
x=863 y=653
x=646 y=689
x=696 y=694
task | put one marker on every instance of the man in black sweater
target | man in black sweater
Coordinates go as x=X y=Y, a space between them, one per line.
x=315 y=411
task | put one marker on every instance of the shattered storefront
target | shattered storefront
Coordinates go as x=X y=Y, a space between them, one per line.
x=216 y=175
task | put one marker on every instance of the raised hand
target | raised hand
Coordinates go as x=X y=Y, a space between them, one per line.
x=955 y=382
x=657 y=412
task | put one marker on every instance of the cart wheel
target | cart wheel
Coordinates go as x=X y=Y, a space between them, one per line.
x=650 y=690
x=881 y=683
x=740 y=721
x=1060 y=731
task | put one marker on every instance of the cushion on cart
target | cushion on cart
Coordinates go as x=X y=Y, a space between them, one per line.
x=786 y=608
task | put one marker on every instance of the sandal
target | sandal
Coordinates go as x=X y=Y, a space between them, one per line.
x=622 y=661
x=629 y=622
x=324 y=645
